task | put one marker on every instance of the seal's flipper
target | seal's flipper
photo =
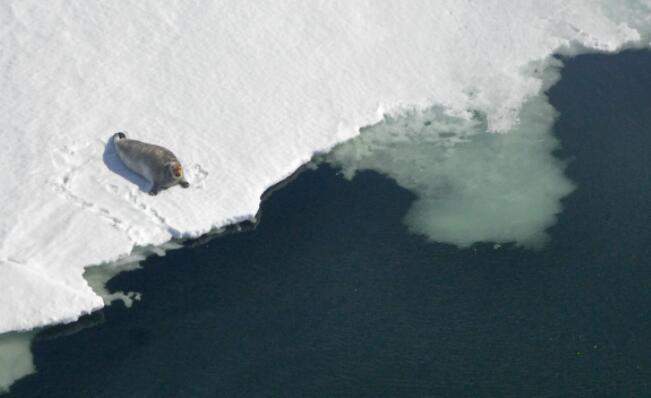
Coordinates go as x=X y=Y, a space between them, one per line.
x=154 y=190
x=184 y=184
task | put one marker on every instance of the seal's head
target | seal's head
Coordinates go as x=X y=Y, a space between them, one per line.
x=119 y=136
x=175 y=171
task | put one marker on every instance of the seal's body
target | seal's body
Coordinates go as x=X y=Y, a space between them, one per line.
x=155 y=163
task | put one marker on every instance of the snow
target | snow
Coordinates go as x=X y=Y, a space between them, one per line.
x=244 y=93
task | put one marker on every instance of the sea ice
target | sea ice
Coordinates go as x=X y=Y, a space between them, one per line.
x=244 y=93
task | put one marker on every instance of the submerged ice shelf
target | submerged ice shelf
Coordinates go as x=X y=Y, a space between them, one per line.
x=471 y=186
x=244 y=94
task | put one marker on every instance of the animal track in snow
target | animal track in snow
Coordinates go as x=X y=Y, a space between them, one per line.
x=62 y=187
x=69 y=165
x=197 y=176
x=135 y=198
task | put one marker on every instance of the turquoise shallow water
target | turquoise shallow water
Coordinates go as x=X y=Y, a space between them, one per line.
x=330 y=296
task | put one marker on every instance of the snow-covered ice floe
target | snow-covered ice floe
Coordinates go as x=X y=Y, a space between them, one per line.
x=246 y=92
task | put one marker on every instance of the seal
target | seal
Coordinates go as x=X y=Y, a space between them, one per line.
x=157 y=164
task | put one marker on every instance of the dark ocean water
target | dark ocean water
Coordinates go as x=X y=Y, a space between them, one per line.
x=330 y=296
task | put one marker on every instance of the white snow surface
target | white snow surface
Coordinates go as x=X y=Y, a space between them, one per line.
x=244 y=93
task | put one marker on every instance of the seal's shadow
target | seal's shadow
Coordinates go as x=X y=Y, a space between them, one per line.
x=113 y=162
